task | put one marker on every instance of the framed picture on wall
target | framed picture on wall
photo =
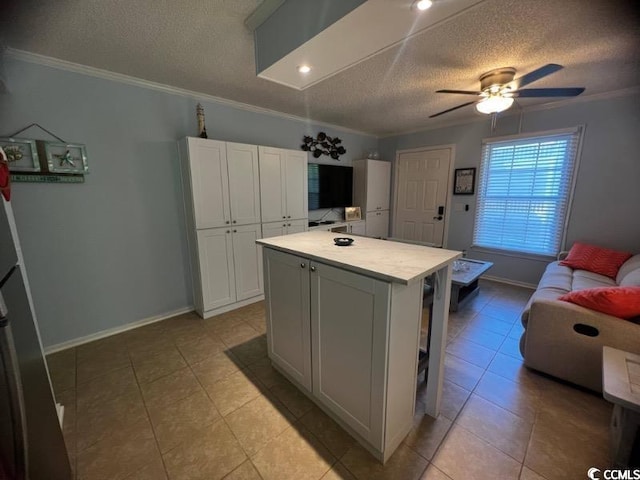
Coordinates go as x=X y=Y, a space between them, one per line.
x=66 y=158
x=464 y=181
x=22 y=154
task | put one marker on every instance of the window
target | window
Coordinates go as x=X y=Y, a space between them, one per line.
x=524 y=192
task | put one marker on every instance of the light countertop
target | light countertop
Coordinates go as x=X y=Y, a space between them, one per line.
x=383 y=259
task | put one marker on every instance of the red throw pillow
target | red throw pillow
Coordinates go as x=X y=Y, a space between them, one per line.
x=622 y=302
x=595 y=259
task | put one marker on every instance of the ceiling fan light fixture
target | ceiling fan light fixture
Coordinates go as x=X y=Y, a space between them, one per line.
x=423 y=5
x=494 y=104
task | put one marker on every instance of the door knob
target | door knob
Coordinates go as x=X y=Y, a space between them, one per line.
x=439 y=217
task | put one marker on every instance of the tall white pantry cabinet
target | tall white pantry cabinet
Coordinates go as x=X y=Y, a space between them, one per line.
x=371 y=192
x=222 y=190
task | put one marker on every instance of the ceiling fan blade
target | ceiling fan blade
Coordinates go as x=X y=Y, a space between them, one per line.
x=548 y=92
x=451 y=109
x=461 y=92
x=537 y=74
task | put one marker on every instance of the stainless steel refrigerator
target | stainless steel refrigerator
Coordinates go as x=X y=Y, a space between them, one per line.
x=31 y=442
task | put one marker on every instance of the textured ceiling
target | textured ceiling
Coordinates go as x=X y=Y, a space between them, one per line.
x=204 y=46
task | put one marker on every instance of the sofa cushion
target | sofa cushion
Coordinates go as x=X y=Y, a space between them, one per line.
x=631 y=279
x=621 y=302
x=583 y=279
x=627 y=267
x=557 y=276
x=604 y=261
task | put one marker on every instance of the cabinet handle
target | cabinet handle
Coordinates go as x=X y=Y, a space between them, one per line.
x=302 y=265
x=235 y=231
x=228 y=231
x=288 y=224
x=378 y=213
x=284 y=224
x=234 y=221
x=313 y=269
x=283 y=216
x=288 y=216
x=227 y=222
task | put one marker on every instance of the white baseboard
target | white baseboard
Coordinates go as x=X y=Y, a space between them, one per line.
x=113 y=331
x=228 y=308
x=509 y=282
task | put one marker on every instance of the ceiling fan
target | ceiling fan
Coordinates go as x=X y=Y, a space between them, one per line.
x=498 y=89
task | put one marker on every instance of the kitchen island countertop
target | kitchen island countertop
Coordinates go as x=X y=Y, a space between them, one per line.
x=383 y=259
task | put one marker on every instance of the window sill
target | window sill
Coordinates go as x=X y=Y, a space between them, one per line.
x=510 y=253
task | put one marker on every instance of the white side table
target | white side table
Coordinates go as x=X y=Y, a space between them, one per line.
x=621 y=386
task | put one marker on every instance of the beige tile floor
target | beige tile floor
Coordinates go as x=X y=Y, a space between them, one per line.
x=193 y=399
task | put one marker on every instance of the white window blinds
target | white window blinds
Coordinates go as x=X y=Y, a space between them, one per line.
x=524 y=191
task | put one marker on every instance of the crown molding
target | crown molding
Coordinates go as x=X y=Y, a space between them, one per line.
x=623 y=92
x=46 y=61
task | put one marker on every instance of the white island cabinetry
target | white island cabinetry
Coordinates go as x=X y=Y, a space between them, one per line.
x=343 y=323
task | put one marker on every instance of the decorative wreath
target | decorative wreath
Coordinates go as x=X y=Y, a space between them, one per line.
x=323 y=145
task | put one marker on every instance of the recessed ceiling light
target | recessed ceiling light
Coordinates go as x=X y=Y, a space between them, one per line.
x=304 y=68
x=424 y=4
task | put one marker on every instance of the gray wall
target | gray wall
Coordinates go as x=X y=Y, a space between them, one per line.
x=113 y=250
x=607 y=195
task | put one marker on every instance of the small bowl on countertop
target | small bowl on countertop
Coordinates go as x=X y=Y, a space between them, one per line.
x=343 y=241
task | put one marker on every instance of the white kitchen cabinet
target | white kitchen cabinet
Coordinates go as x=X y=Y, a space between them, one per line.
x=357 y=228
x=349 y=340
x=288 y=314
x=283 y=184
x=247 y=261
x=224 y=182
x=348 y=344
x=377 y=224
x=371 y=192
x=372 y=184
x=286 y=227
x=216 y=270
x=222 y=205
x=244 y=183
x=206 y=165
x=230 y=266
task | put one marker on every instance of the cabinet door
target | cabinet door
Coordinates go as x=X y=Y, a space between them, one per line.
x=217 y=276
x=247 y=261
x=287 y=307
x=378 y=185
x=296 y=184
x=209 y=182
x=244 y=183
x=297 y=226
x=377 y=224
x=274 y=229
x=272 y=184
x=349 y=332
x=358 y=228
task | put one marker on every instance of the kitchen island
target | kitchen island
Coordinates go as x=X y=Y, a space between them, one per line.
x=343 y=324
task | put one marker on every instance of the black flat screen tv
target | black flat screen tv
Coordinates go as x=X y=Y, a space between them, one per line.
x=330 y=186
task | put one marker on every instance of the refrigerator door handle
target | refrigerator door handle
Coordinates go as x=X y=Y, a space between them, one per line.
x=16 y=400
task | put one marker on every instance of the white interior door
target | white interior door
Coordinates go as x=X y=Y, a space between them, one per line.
x=422 y=182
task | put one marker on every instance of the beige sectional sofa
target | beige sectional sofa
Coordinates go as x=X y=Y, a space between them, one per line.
x=566 y=340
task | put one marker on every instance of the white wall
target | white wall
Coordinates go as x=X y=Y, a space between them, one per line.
x=113 y=250
x=606 y=204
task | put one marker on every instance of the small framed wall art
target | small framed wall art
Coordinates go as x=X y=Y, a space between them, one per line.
x=352 y=213
x=66 y=158
x=22 y=154
x=464 y=181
